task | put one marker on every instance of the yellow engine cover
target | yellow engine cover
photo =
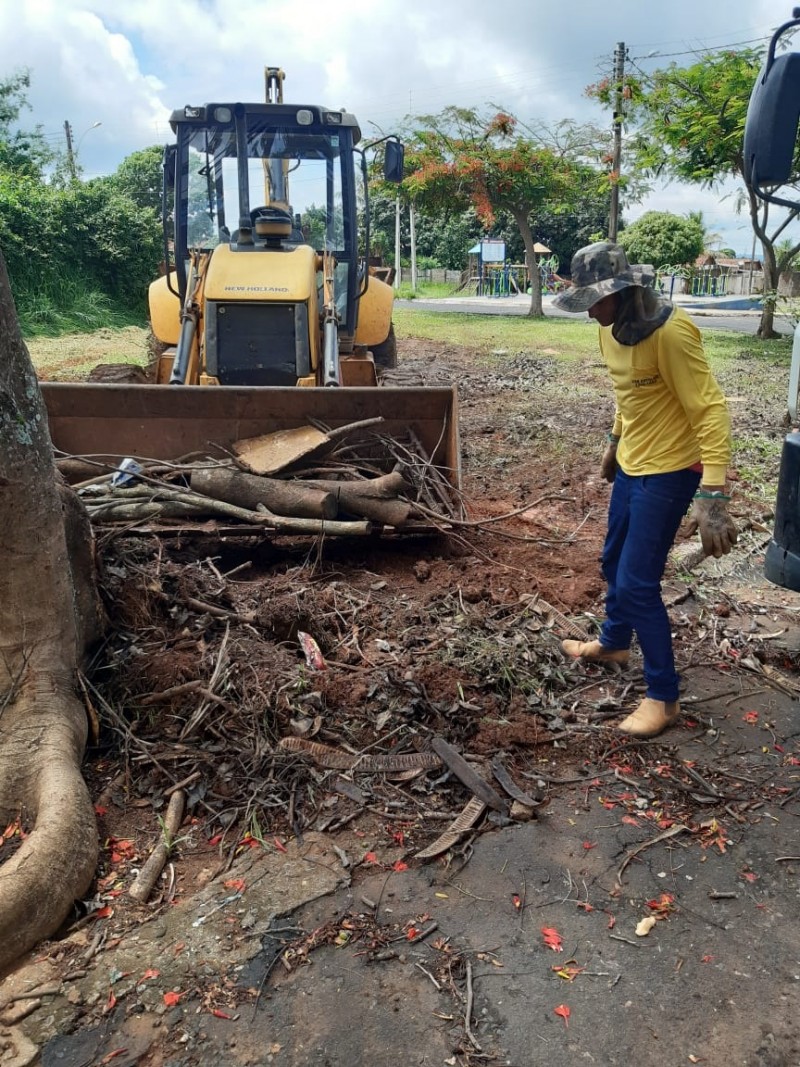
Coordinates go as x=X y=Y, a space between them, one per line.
x=262 y=274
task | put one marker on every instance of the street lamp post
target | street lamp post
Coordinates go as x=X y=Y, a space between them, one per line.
x=72 y=152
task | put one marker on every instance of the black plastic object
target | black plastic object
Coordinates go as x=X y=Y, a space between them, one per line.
x=782 y=563
x=770 y=133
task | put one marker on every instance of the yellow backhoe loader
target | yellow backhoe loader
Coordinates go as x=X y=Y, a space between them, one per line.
x=266 y=288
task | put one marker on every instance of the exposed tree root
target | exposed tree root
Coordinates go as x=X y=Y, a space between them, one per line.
x=42 y=736
x=49 y=611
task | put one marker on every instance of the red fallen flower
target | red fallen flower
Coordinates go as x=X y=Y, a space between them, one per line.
x=662 y=905
x=552 y=938
x=564 y=1012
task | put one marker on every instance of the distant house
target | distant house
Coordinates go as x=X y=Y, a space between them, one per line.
x=718 y=275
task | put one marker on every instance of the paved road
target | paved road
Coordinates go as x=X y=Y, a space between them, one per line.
x=709 y=319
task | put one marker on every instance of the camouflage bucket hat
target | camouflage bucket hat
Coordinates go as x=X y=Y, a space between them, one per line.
x=597 y=271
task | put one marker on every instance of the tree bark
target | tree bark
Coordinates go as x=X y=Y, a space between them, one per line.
x=521 y=219
x=48 y=609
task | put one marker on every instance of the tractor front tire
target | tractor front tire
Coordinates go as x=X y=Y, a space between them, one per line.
x=385 y=354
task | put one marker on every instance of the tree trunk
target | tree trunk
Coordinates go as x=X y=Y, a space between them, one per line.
x=759 y=221
x=521 y=219
x=766 y=328
x=48 y=610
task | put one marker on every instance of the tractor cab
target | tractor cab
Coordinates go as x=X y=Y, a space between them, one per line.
x=266 y=281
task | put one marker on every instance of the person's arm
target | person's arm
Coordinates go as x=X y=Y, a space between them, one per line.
x=608 y=464
x=685 y=370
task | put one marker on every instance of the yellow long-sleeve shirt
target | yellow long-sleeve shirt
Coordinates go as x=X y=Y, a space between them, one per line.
x=671 y=414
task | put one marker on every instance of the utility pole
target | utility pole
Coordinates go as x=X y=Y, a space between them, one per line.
x=619 y=77
x=397 y=242
x=70 y=153
x=413 y=227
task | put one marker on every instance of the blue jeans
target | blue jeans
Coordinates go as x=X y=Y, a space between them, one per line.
x=643 y=518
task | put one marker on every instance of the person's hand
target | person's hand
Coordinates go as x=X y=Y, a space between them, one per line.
x=608 y=464
x=710 y=516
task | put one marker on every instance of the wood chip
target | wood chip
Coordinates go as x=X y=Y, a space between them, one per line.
x=462 y=770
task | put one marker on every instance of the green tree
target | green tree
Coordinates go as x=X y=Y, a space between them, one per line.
x=459 y=158
x=690 y=126
x=663 y=239
x=25 y=153
x=139 y=178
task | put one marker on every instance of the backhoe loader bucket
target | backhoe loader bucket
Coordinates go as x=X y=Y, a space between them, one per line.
x=152 y=422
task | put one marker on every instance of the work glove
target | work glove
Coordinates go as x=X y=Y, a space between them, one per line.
x=608 y=464
x=710 y=516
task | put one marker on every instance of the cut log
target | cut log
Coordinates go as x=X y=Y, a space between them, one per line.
x=388 y=512
x=385 y=487
x=370 y=498
x=74 y=469
x=292 y=499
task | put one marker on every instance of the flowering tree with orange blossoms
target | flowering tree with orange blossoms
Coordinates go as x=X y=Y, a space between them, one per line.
x=458 y=158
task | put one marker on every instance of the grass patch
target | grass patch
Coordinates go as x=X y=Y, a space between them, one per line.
x=568 y=338
x=73 y=310
x=425 y=291
x=757 y=460
x=499 y=333
x=71 y=357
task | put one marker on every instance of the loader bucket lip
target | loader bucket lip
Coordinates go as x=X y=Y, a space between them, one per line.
x=166 y=422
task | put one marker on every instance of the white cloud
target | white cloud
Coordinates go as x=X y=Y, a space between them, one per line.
x=128 y=66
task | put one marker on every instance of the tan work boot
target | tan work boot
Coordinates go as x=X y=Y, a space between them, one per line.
x=650 y=718
x=595 y=652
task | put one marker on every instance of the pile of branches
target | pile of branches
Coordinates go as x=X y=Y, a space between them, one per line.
x=358 y=484
x=216 y=674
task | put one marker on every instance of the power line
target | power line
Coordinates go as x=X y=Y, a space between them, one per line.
x=703 y=48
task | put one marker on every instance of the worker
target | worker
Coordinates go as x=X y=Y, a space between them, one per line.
x=669 y=448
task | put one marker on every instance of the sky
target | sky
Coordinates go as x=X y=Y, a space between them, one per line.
x=115 y=70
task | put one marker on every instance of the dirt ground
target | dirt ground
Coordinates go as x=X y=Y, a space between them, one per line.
x=294 y=923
